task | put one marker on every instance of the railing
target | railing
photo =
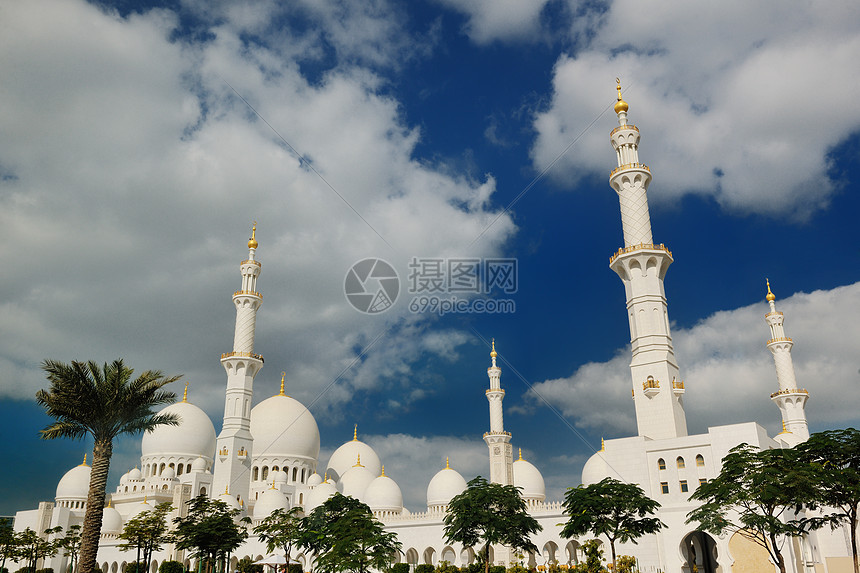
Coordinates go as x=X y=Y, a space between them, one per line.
x=650 y=384
x=780 y=339
x=248 y=292
x=496 y=434
x=790 y=391
x=499 y=391
x=629 y=166
x=250 y=262
x=679 y=385
x=620 y=127
x=242 y=355
x=640 y=246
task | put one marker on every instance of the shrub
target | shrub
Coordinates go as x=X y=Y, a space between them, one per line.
x=133 y=567
x=497 y=569
x=171 y=567
x=425 y=568
x=399 y=568
x=45 y=570
x=294 y=568
x=247 y=565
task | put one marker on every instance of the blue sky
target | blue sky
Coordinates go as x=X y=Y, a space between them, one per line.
x=132 y=166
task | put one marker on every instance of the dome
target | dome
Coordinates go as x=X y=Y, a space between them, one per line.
x=134 y=474
x=198 y=465
x=315 y=479
x=230 y=500
x=124 y=479
x=168 y=473
x=194 y=436
x=280 y=476
x=529 y=478
x=595 y=469
x=446 y=484
x=75 y=484
x=345 y=456
x=383 y=494
x=140 y=508
x=283 y=427
x=355 y=481
x=269 y=501
x=111 y=521
x=318 y=495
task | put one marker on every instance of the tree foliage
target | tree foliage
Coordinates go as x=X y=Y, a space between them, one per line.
x=146 y=532
x=834 y=459
x=70 y=543
x=209 y=530
x=30 y=546
x=617 y=510
x=103 y=402
x=281 y=529
x=344 y=536
x=756 y=495
x=593 y=558
x=8 y=544
x=490 y=513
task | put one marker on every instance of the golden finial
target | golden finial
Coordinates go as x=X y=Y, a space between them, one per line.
x=355 y=433
x=241 y=503
x=521 y=455
x=85 y=460
x=185 y=394
x=326 y=476
x=358 y=462
x=283 y=375
x=602 y=445
x=493 y=353
x=144 y=499
x=252 y=243
x=620 y=105
x=226 y=489
x=770 y=296
x=447 y=463
x=383 y=471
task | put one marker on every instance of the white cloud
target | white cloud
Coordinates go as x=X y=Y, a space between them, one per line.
x=736 y=100
x=729 y=372
x=135 y=173
x=492 y=20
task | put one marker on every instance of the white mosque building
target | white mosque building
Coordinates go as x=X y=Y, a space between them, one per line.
x=267 y=457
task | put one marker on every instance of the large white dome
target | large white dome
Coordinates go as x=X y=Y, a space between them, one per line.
x=383 y=494
x=529 y=478
x=283 y=427
x=269 y=501
x=193 y=437
x=348 y=455
x=111 y=521
x=355 y=481
x=318 y=495
x=595 y=469
x=446 y=484
x=75 y=484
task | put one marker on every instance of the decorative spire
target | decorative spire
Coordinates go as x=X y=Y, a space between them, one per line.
x=85 y=460
x=447 y=463
x=358 y=462
x=185 y=393
x=226 y=490
x=283 y=375
x=620 y=105
x=493 y=352
x=355 y=433
x=383 y=472
x=252 y=243
x=602 y=445
x=770 y=296
x=521 y=455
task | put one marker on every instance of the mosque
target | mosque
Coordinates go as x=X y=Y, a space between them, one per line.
x=267 y=457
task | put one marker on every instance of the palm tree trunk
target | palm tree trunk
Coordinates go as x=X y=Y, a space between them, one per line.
x=91 y=532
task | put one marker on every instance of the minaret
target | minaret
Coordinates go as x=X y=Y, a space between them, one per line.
x=657 y=388
x=790 y=399
x=233 y=456
x=498 y=440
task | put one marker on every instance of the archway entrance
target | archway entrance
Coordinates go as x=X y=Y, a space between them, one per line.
x=699 y=552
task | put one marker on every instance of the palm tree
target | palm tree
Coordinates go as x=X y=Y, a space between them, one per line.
x=104 y=403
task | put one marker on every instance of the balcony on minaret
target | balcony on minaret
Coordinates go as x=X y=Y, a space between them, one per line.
x=790 y=391
x=677 y=387
x=242 y=453
x=223 y=453
x=651 y=387
x=639 y=247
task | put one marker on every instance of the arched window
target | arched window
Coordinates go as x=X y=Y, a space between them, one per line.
x=265 y=472
x=681 y=464
x=295 y=473
x=700 y=460
x=202 y=491
x=303 y=475
x=661 y=464
x=301 y=498
x=179 y=469
x=256 y=473
x=188 y=468
x=274 y=468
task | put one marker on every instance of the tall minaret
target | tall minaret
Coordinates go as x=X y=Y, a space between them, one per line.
x=657 y=388
x=498 y=440
x=233 y=456
x=790 y=399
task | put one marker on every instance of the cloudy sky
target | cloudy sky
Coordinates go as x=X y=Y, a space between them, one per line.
x=140 y=141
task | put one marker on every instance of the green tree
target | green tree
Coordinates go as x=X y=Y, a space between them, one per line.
x=32 y=546
x=8 y=544
x=344 y=536
x=281 y=529
x=834 y=458
x=70 y=543
x=104 y=403
x=171 y=567
x=146 y=532
x=209 y=530
x=755 y=495
x=593 y=558
x=247 y=565
x=490 y=513
x=626 y=564
x=617 y=510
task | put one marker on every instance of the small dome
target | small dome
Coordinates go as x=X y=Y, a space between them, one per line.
x=280 y=476
x=595 y=469
x=75 y=484
x=168 y=473
x=355 y=481
x=134 y=474
x=124 y=479
x=318 y=495
x=345 y=456
x=315 y=479
x=446 y=484
x=383 y=494
x=198 y=465
x=529 y=478
x=269 y=501
x=194 y=436
x=283 y=427
x=230 y=500
x=111 y=521
x=140 y=508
